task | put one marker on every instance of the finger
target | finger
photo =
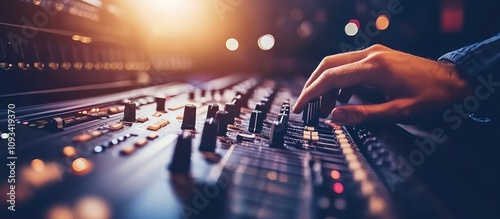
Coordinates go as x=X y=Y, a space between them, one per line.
x=355 y=114
x=328 y=102
x=334 y=61
x=345 y=94
x=339 y=77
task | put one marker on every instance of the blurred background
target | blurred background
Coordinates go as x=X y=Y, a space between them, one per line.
x=154 y=41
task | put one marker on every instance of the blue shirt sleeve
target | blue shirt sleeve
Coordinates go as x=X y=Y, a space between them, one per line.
x=477 y=59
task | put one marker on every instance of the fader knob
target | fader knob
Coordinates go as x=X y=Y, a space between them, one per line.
x=311 y=113
x=222 y=118
x=278 y=131
x=160 y=104
x=181 y=159
x=212 y=110
x=232 y=111
x=209 y=136
x=189 y=118
x=129 y=112
x=256 y=121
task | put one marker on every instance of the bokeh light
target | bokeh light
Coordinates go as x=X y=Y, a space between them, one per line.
x=382 y=22
x=266 y=42
x=232 y=44
x=352 y=27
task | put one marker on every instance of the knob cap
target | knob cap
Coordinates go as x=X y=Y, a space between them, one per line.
x=189 y=118
x=212 y=110
x=232 y=111
x=209 y=136
x=311 y=113
x=256 y=121
x=222 y=117
x=278 y=131
x=129 y=112
x=261 y=107
x=181 y=159
x=160 y=104
x=283 y=118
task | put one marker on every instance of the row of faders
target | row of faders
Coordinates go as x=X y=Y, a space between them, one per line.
x=293 y=167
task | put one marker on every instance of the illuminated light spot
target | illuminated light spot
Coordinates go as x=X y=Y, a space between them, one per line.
x=338 y=188
x=81 y=165
x=340 y=204
x=335 y=174
x=60 y=212
x=354 y=165
x=69 y=151
x=98 y=149
x=76 y=37
x=86 y=40
x=232 y=44
x=37 y=2
x=272 y=175
x=376 y=205
x=25 y=123
x=359 y=175
x=92 y=207
x=382 y=22
x=283 y=178
x=351 y=29
x=37 y=165
x=5 y=135
x=266 y=42
x=305 y=29
x=367 y=188
x=351 y=157
x=347 y=150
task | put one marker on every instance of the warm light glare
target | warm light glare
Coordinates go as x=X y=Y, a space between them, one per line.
x=338 y=188
x=80 y=165
x=351 y=29
x=335 y=174
x=76 y=37
x=382 y=22
x=37 y=165
x=266 y=42
x=232 y=44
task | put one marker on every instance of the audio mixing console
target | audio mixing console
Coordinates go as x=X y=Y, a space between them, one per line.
x=228 y=148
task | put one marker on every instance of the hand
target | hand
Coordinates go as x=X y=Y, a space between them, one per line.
x=412 y=85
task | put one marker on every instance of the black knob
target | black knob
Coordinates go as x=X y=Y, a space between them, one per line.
x=189 y=118
x=261 y=107
x=160 y=104
x=191 y=94
x=311 y=113
x=209 y=136
x=203 y=92
x=256 y=121
x=129 y=112
x=278 y=131
x=283 y=118
x=232 y=111
x=212 y=110
x=222 y=118
x=181 y=159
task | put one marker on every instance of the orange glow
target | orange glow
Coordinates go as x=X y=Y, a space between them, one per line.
x=335 y=174
x=37 y=165
x=69 y=151
x=382 y=22
x=338 y=188
x=81 y=165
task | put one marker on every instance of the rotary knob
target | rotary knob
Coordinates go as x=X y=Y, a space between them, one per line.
x=181 y=159
x=189 y=117
x=129 y=112
x=209 y=136
x=160 y=104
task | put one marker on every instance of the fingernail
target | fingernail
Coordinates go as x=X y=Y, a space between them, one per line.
x=340 y=116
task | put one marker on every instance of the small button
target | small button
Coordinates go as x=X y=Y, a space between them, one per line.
x=96 y=133
x=142 y=119
x=163 y=123
x=152 y=136
x=83 y=137
x=157 y=114
x=113 y=142
x=141 y=143
x=154 y=127
x=127 y=150
x=116 y=126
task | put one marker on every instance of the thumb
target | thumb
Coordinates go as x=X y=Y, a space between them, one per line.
x=355 y=114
